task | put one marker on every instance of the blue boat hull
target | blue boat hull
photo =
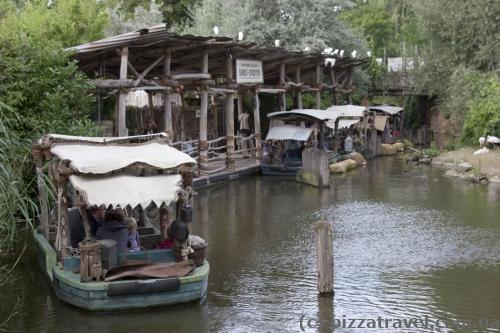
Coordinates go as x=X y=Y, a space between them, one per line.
x=132 y=294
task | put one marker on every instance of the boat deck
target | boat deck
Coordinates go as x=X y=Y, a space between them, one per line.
x=218 y=173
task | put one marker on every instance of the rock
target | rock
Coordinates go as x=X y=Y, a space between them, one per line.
x=407 y=143
x=388 y=150
x=464 y=167
x=399 y=146
x=495 y=179
x=451 y=173
x=425 y=160
x=360 y=160
x=343 y=166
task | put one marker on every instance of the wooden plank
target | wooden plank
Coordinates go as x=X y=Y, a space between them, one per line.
x=191 y=76
x=111 y=84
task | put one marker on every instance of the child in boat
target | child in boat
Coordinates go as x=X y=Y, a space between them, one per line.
x=133 y=235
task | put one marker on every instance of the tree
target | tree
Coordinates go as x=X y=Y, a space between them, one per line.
x=297 y=24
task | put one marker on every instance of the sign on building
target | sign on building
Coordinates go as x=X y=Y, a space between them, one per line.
x=249 y=71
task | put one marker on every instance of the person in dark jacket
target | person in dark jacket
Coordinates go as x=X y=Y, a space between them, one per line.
x=114 y=228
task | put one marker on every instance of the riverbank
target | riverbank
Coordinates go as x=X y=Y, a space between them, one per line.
x=463 y=164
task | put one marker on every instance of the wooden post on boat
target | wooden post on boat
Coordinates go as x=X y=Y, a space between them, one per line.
x=282 y=95
x=324 y=254
x=36 y=152
x=229 y=107
x=63 y=240
x=256 y=123
x=164 y=222
x=85 y=218
x=203 y=143
x=299 y=91
x=318 y=91
x=168 y=99
x=122 y=116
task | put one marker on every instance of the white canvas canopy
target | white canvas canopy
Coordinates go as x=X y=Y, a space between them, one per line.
x=101 y=159
x=126 y=190
x=96 y=139
x=389 y=109
x=330 y=114
x=289 y=132
x=343 y=123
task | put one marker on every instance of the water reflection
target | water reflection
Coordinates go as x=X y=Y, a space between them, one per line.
x=407 y=242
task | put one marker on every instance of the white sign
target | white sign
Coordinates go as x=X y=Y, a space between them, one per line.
x=249 y=71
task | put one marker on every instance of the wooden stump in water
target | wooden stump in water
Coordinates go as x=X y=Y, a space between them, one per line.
x=324 y=254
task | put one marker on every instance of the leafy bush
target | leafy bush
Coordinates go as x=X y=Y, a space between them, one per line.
x=483 y=117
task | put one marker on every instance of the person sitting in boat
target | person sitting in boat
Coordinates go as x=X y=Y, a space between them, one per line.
x=114 y=228
x=133 y=235
x=95 y=216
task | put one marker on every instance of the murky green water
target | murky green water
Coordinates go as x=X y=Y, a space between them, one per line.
x=408 y=242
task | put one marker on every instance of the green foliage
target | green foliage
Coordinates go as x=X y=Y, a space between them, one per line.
x=68 y=22
x=40 y=82
x=17 y=207
x=484 y=115
x=433 y=151
x=297 y=24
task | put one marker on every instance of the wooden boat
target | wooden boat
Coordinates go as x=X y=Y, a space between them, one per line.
x=128 y=172
x=294 y=130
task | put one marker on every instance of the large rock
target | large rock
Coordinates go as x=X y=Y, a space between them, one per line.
x=343 y=166
x=360 y=160
x=464 y=167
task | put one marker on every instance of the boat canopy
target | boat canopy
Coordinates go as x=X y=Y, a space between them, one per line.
x=289 y=132
x=330 y=114
x=58 y=138
x=126 y=190
x=390 y=109
x=102 y=159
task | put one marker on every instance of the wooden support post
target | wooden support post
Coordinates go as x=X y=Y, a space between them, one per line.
x=282 y=95
x=256 y=122
x=318 y=92
x=324 y=253
x=122 y=116
x=229 y=109
x=203 y=143
x=350 y=85
x=168 y=100
x=299 y=92
x=334 y=94
x=335 y=135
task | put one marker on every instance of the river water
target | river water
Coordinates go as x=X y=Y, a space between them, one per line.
x=408 y=243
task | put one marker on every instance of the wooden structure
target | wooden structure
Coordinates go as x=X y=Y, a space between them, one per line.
x=324 y=255
x=158 y=61
x=128 y=172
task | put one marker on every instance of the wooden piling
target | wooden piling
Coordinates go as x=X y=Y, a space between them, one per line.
x=318 y=81
x=324 y=253
x=299 y=92
x=256 y=122
x=229 y=109
x=282 y=95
